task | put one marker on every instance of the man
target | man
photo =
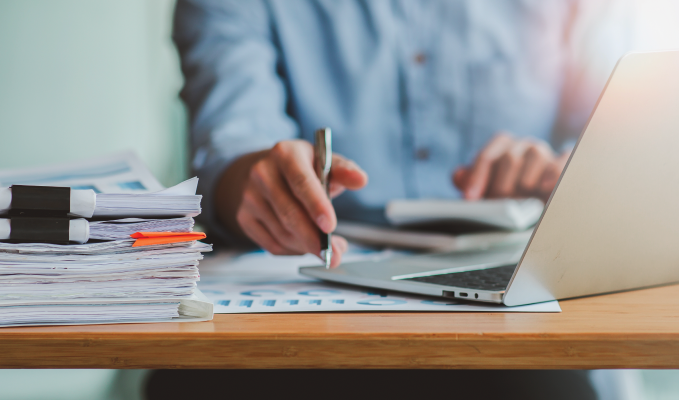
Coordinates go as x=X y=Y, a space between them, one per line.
x=488 y=95
x=441 y=98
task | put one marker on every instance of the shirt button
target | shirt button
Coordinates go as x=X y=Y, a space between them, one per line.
x=422 y=154
x=420 y=58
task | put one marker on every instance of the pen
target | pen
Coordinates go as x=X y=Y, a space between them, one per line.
x=322 y=165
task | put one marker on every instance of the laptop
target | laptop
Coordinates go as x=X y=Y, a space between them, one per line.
x=611 y=224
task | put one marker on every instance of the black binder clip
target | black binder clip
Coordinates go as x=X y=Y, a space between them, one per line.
x=39 y=214
x=54 y=230
x=45 y=201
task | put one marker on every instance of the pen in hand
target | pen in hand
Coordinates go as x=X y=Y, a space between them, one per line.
x=322 y=165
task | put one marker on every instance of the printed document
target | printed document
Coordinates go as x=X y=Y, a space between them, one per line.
x=262 y=283
x=119 y=173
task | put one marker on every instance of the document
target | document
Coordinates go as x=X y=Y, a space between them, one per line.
x=120 y=187
x=193 y=308
x=119 y=173
x=379 y=236
x=449 y=225
x=507 y=214
x=112 y=281
x=262 y=283
x=119 y=229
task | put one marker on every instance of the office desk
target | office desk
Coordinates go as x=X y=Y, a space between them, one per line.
x=638 y=329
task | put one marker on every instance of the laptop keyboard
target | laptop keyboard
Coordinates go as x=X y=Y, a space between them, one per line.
x=496 y=278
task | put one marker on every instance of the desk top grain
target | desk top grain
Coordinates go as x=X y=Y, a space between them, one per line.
x=637 y=329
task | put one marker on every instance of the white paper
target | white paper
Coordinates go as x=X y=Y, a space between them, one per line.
x=120 y=229
x=510 y=214
x=186 y=188
x=193 y=308
x=428 y=241
x=262 y=283
x=150 y=205
x=108 y=282
x=46 y=272
x=119 y=173
x=124 y=187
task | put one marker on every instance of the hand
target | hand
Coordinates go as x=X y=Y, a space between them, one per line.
x=511 y=167
x=275 y=198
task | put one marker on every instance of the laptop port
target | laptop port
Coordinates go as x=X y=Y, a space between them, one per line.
x=463 y=294
x=447 y=293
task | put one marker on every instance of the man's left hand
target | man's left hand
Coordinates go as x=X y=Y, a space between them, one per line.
x=511 y=167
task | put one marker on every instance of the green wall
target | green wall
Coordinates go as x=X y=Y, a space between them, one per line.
x=81 y=78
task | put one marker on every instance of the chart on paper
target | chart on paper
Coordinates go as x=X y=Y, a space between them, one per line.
x=252 y=285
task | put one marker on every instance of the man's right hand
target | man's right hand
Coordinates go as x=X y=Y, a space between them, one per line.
x=275 y=198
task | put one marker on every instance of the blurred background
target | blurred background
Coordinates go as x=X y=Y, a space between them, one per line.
x=83 y=78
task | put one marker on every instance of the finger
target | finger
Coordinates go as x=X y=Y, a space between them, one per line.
x=347 y=173
x=287 y=209
x=295 y=161
x=551 y=175
x=254 y=203
x=339 y=247
x=460 y=178
x=506 y=171
x=480 y=174
x=336 y=189
x=536 y=159
x=548 y=181
x=258 y=234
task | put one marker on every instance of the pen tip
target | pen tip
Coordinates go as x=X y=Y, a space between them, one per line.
x=327 y=257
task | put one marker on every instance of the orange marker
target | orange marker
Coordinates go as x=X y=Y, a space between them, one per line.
x=151 y=238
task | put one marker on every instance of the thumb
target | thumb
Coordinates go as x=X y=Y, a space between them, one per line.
x=347 y=174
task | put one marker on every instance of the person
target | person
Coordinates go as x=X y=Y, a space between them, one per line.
x=464 y=99
x=441 y=99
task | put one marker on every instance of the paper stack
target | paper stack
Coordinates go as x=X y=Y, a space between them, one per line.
x=119 y=229
x=107 y=280
x=177 y=201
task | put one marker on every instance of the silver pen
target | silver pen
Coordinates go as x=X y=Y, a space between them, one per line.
x=322 y=165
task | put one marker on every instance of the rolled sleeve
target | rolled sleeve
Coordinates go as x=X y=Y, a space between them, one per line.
x=235 y=95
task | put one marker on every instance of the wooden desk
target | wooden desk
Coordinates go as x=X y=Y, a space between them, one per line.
x=637 y=329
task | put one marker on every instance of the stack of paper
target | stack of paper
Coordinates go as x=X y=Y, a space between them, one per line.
x=107 y=280
x=178 y=201
x=122 y=228
x=45 y=278
x=36 y=271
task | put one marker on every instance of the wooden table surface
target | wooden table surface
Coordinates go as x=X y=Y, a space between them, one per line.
x=638 y=329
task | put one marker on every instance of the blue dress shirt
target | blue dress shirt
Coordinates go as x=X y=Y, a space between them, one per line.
x=411 y=89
